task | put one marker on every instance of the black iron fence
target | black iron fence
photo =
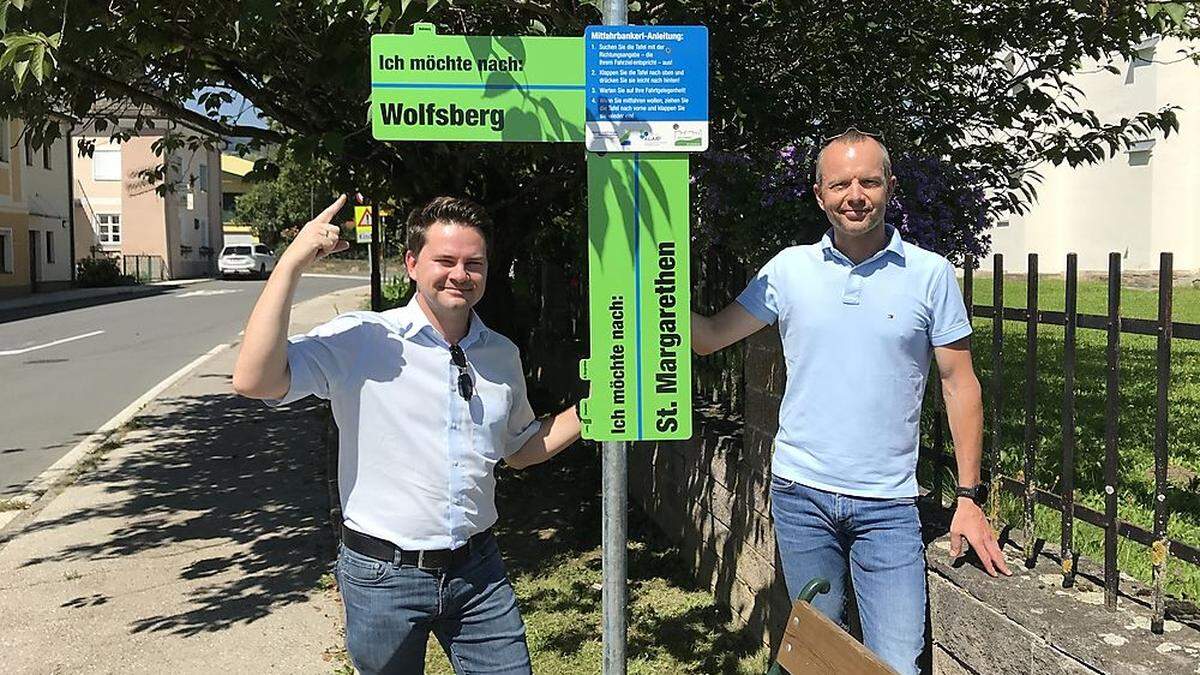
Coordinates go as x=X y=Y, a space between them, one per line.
x=1026 y=486
x=717 y=277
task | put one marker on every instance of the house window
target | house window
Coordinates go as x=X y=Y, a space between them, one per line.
x=202 y=178
x=50 y=246
x=6 y=250
x=110 y=228
x=28 y=149
x=106 y=165
x=47 y=156
x=191 y=200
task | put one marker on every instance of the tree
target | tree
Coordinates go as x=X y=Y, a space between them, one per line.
x=975 y=91
x=274 y=207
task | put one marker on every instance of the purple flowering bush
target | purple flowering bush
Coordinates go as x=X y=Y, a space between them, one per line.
x=752 y=208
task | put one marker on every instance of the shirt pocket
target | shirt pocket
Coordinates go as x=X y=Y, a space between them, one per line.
x=490 y=409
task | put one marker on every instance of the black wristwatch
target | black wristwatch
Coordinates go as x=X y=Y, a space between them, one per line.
x=977 y=494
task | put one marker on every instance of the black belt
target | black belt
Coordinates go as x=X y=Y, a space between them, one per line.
x=386 y=551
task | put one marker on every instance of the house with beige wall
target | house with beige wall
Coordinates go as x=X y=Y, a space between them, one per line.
x=1139 y=203
x=35 y=212
x=172 y=234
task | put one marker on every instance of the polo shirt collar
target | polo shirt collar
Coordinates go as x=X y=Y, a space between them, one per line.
x=412 y=321
x=895 y=245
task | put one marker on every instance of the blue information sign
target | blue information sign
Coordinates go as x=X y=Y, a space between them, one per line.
x=647 y=88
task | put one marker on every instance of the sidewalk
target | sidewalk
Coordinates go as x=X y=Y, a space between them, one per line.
x=199 y=543
x=84 y=294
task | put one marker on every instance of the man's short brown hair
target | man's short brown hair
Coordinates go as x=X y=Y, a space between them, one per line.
x=455 y=210
x=849 y=137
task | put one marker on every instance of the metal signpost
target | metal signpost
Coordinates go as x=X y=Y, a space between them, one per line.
x=638 y=97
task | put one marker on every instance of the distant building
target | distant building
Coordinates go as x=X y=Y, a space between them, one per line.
x=1139 y=203
x=233 y=185
x=121 y=213
x=35 y=212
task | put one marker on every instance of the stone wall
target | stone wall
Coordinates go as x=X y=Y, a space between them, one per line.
x=710 y=496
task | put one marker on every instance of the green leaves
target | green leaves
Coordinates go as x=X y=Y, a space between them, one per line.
x=387 y=13
x=1173 y=14
x=29 y=53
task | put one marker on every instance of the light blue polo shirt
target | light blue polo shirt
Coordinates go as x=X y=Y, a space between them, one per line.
x=857 y=340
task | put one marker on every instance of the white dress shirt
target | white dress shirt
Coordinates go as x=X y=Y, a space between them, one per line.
x=416 y=461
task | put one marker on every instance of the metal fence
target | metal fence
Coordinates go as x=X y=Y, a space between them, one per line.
x=718 y=276
x=144 y=267
x=1064 y=500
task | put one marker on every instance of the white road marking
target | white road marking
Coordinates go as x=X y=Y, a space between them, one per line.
x=336 y=276
x=26 y=350
x=221 y=291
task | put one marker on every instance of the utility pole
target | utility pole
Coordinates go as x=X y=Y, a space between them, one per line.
x=615 y=499
x=376 y=285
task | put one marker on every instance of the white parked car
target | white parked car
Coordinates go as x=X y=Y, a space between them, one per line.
x=250 y=259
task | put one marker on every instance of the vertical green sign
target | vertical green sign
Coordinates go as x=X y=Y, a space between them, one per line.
x=640 y=367
x=430 y=87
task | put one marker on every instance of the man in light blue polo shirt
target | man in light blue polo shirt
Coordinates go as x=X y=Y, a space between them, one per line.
x=860 y=314
x=427 y=401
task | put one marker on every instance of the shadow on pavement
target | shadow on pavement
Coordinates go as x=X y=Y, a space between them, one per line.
x=220 y=469
x=19 y=313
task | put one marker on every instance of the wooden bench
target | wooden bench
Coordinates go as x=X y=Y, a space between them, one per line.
x=812 y=644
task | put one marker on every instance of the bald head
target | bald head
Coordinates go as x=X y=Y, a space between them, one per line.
x=846 y=142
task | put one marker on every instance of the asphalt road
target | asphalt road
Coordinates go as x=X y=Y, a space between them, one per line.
x=54 y=396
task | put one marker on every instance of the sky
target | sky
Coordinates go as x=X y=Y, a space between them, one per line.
x=240 y=109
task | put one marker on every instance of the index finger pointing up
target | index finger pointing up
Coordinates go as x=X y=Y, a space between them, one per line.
x=332 y=210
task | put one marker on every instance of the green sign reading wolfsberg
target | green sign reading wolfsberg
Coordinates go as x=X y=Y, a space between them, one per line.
x=430 y=87
x=639 y=279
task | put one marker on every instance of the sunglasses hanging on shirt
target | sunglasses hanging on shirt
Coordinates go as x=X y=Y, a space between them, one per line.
x=466 y=388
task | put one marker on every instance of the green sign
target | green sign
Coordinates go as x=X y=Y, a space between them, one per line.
x=430 y=87
x=640 y=366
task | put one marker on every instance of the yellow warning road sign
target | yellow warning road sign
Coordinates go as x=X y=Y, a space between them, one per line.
x=362 y=224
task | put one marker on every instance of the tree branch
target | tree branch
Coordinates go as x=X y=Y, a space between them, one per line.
x=191 y=118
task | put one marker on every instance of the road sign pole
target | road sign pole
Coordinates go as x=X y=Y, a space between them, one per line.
x=376 y=285
x=615 y=504
x=613 y=557
x=638 y=122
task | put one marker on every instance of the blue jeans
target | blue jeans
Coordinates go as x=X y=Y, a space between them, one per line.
x=823 y=534
x=470 y=608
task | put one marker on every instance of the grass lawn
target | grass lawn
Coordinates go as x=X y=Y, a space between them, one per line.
x=549 y=533
x=1138 y=396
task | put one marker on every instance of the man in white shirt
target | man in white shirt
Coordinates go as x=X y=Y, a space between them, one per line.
x=427 y=401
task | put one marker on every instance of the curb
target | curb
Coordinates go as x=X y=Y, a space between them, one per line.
x=60 y=472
